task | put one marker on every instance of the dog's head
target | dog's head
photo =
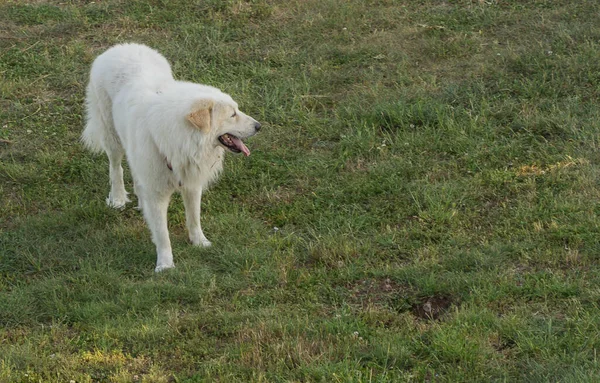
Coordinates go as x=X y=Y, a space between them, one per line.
x=221 y=120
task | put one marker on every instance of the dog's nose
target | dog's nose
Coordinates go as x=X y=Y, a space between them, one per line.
x=257 y=126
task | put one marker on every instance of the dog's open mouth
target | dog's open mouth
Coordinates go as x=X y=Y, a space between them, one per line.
x=234 y=144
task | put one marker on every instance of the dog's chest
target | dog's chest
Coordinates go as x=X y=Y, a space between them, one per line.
x=196 y=172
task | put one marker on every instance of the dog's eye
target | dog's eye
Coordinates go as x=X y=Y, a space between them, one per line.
x=234 y=114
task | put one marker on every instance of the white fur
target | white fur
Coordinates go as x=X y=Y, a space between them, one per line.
x=136 y=108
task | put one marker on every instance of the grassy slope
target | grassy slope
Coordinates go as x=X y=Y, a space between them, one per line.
x=421 y=203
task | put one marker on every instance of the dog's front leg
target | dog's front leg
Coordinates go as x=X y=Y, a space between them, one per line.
x=191 y=201
x=155 y=208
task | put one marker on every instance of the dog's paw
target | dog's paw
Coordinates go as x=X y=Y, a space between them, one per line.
x=160 y=268
x=201 y=242
x=197 y=238
x=117 y=202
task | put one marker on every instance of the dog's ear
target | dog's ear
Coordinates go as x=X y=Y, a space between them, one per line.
x=200 y=115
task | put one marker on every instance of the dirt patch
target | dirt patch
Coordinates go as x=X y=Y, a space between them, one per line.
x=399 y=298
x=503 y=344
x=432 y=308
x=376 y=291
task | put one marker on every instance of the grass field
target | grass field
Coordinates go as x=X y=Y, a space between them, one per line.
x=421 y=204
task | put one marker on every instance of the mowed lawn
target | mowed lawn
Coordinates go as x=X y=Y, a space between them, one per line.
x=422 y=203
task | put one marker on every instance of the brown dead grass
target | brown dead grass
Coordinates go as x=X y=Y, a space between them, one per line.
x=263 y=344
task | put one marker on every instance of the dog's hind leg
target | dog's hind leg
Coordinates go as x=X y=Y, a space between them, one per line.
x=117 y=197
x=100 y=134
x=191 y=201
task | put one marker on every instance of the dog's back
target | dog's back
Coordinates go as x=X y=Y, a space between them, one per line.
x=120 y=67
x=128 y=64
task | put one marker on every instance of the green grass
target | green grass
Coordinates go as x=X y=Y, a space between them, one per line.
x=421 y=205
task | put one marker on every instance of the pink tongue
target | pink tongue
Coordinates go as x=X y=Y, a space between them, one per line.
x=240 y=145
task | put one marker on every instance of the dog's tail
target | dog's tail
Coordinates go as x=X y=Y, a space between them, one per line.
x=99 y=133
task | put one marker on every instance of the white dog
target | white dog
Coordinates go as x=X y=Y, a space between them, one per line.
x=174 y=134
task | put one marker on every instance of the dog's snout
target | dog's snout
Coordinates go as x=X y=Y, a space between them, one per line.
x=257 y=126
